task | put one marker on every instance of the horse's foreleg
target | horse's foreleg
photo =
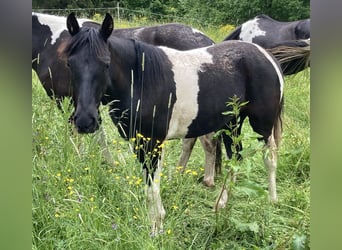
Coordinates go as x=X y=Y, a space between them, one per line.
x=270 y=160
x=102 y=140
x=209 y=145
x=154 y=202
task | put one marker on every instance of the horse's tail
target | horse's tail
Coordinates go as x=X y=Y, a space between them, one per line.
x=293 y=56
x=234 y=35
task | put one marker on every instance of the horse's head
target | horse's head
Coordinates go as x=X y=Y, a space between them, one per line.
x=88 y=58
x=302 y=30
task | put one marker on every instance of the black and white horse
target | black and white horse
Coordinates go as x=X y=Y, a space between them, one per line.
x=270 y=33
x=161 y=93
x=49 y=32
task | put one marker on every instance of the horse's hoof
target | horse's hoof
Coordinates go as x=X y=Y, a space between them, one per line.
x=154 y=234
x=209 y=183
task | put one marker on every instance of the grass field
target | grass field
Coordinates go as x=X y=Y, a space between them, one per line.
x=80 y=201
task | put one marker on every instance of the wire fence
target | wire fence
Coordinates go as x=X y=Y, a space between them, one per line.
x=120 y=13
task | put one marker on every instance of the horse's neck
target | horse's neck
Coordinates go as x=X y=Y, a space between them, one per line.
x=123 y=62
x=121 y=48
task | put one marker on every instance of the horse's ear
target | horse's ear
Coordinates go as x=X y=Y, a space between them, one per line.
x=107 y=27
x=72 y=24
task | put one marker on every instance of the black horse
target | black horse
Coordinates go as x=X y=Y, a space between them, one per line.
x=160 y=93
x=272 y=34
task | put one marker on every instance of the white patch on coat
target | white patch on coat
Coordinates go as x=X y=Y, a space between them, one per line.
x=251 y=29
x=185 y=66
x=276 y=67
x=200 y=32
x=57 y=24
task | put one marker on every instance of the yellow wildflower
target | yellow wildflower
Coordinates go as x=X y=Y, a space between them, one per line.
x=175 y=207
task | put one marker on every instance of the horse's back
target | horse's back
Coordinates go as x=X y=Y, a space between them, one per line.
x=172 y=35
x=266 y=31
x=216 y=73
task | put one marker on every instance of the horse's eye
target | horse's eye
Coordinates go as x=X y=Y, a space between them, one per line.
x=68 y=64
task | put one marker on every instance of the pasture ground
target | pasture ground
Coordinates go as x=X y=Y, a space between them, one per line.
x=80 y=201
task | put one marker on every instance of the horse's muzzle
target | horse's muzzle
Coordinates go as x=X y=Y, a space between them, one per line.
x=86 y=124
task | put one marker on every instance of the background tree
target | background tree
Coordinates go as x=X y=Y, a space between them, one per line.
x=206 y=12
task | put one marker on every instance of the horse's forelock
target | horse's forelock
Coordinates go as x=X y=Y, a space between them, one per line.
x=90 y=38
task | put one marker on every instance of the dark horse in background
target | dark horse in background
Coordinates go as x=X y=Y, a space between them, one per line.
x=275 y=36
x=49 y=32
x=162 y=93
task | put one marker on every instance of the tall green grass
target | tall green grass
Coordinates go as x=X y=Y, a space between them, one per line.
x=82 y=201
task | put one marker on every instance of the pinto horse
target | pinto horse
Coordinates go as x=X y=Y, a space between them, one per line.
x=161 y=93
x=269 y=33
x=49 y=32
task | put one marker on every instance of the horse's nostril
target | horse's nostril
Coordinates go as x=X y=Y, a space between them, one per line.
x=86 y=124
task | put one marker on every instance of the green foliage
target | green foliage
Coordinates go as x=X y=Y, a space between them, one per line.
x=219 y=12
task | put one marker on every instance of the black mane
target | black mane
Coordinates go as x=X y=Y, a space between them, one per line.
x=149 y=60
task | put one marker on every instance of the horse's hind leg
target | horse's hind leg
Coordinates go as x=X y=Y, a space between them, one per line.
x=187 y=146
x=209 y=145
x=270 y=160
x=228 y=141
x=218 y=158
x=271 y=137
